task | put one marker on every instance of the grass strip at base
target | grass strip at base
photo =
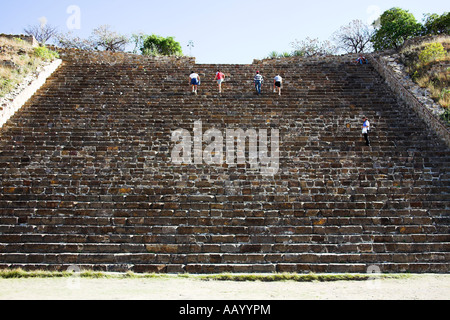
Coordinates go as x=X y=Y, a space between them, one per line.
x=278 y=277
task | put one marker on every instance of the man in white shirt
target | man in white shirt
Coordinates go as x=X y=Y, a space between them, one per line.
x=277 y=82
x=366 y=130
x=194 y=81
x=258 y=81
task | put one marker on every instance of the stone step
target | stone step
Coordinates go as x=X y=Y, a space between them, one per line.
x=261 y=251
x=415 y=267
x=282 y=217
x=263 y=239
x=253 y=226
x=262 y=260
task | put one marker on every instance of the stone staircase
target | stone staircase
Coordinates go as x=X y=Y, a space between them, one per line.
x=87 y=177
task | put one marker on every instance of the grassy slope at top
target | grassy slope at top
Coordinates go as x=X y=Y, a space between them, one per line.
x=432 y=73
x=18 y=59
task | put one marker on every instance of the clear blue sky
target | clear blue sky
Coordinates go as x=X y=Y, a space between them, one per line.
x=229 y=31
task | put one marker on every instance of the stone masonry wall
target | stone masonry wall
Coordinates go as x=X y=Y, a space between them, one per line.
x=30 y=39
x=15 y=100
x=399 y=84
x=87 y=178
x=112 y=58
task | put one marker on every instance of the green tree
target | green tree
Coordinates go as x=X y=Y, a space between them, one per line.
x=137 y=39
x=436 y=24
x=394 y=27
x=159 y=46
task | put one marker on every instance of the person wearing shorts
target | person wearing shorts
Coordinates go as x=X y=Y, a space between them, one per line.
x=194 y=81
x=220 y=78
x=277 y=83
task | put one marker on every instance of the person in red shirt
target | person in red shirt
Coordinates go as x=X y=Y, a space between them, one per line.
x=220 y=78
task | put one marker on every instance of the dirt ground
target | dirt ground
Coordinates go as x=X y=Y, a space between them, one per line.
x=414 y=287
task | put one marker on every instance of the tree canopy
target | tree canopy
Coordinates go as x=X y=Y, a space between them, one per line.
x=437 y=24
x=395 y=27
x=102 y=38
x=42 y=33
x=106 y=39
x=353 y=37
x=155 y=45
x=312 y=47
